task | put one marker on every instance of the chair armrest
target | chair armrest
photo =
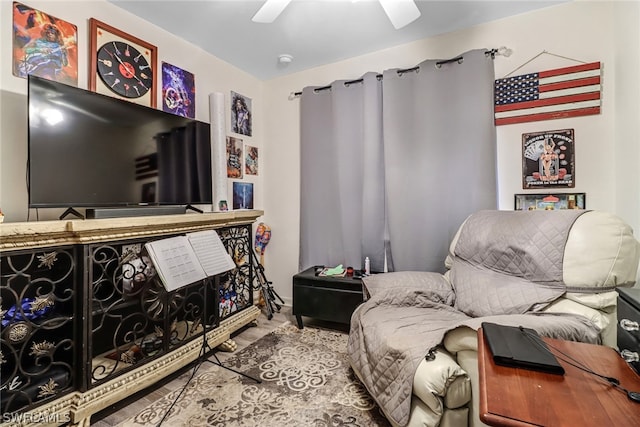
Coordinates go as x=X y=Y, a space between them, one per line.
x=441 y=381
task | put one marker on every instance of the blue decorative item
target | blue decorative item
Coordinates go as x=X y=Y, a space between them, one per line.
x=29 y=309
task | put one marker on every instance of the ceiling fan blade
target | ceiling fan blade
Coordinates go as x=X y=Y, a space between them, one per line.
x=400 y=12
x=270 y=10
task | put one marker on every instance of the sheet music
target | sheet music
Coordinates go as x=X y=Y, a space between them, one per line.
x=176 y=262
x=211 y=252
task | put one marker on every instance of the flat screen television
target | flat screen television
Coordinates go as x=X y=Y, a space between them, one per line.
x=92 y=150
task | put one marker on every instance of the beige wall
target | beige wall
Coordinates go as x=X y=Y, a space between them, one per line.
x=606 y=145
x=211 y=75
x=607 y=152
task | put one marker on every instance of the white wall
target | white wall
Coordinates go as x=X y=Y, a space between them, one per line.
x=211 y=75
x=584 y=30
x=607 y=152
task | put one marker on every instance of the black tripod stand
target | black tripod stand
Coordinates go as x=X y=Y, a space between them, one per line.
x=268 y=293
x=205 y=344
x=205 y=349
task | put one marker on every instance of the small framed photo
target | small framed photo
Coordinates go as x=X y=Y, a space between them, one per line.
x=241 y=115
x=546 y=201
x=242 y=195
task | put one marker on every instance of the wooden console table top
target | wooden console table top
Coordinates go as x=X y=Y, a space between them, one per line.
x=519 y=397
x=22 y=235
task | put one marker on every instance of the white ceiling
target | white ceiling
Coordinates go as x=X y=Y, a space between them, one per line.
x=314 y=32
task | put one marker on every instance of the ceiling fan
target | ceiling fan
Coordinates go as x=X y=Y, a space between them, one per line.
x=400 y=12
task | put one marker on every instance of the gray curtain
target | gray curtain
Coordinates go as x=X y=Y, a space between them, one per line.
x=342 y=175
x=440 y=155
x=390 y=168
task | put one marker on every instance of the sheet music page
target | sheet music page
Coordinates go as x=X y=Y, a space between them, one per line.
x=211 y=252
x=175 y=261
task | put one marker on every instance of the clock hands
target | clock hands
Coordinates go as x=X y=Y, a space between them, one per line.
x=127 y=66
x=116 y=48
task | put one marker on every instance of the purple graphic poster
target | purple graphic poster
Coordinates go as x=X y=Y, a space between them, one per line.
x=178 y=91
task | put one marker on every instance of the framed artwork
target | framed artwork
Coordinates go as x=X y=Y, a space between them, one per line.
x=251 y=160
x=121 y=65
x=178 y=91
x=548 y=159
x=242 y=195
x=44 y=46
x=546 y=201
x=240 y=114
x=234 y=157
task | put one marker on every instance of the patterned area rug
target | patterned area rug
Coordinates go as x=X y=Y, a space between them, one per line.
x=306 y=381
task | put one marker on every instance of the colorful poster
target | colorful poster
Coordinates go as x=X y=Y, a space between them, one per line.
x=178 y=91
x=240 y=114
x=234 y=157
x=44 y=46
x=242 y=195
x=548 y=159
x=251 y=161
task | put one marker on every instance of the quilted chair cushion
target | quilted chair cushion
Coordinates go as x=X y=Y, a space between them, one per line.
x=601 y=252
x=427 y=285
x=506 y=262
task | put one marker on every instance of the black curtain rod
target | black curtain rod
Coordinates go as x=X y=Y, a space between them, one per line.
x=457 y=59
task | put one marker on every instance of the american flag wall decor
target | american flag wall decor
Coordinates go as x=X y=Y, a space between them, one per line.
x=553 y=94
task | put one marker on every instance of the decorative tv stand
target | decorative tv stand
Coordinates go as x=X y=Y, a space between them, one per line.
x=86 y=322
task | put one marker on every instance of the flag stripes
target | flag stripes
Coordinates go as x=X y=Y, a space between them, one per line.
x=552 y=94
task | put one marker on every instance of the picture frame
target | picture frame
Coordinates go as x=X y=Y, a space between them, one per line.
x=44 y=46
x=234 y=157
x=178 y=91
x=242 y=195
x=241 y=114
x=547 y=201
x=548 y=159
x=122 y=65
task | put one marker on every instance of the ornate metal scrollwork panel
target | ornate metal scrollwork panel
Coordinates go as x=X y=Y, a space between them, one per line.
x=187 y=307
x=235 y=291
x=37 y=351
x=128 y=308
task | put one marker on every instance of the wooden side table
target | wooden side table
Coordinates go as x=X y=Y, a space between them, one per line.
x=521 y=397
x=325 y=298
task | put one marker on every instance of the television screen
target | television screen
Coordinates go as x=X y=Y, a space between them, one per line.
x=92 y=150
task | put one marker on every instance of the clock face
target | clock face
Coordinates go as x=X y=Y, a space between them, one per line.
x=124 y=70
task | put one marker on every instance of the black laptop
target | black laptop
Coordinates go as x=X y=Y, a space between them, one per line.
x=520 y=347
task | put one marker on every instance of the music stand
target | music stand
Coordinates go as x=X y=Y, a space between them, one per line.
x=184 y=260
x=205 y=343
